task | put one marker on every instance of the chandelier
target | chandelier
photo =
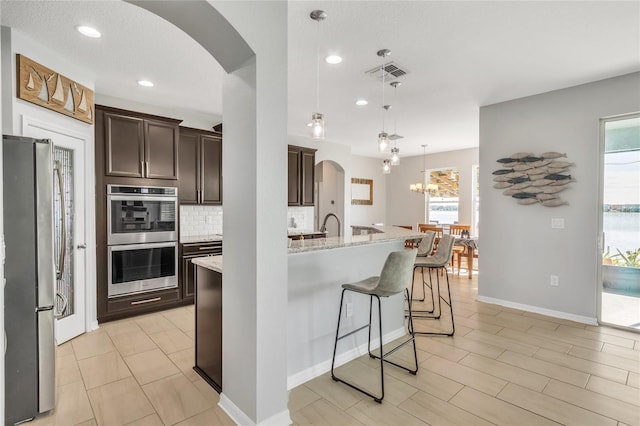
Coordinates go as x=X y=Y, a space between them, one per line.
x=425 y=186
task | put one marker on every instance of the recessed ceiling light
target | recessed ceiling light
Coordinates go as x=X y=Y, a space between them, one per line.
x=333 y=59
x=361 y=102
x=88 y=31
x=145 y=83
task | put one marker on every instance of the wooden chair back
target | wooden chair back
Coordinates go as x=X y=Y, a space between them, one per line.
x=424 y=227
x=457 y=229
x=409 y=227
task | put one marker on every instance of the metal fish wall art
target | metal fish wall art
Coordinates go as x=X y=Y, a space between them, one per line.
x=534 y=179
x=502 y=171
x=524 y=195
x=554 y=202
x=552 y=155
x=528 y=201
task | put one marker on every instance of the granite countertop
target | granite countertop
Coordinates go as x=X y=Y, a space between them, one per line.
x=210 y=262
x=380 y=234
x=200 y=238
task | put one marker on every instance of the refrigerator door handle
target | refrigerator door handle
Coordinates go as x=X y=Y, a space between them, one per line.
x=63 y=220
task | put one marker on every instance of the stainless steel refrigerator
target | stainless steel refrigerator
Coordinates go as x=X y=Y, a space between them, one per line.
x=30 y=278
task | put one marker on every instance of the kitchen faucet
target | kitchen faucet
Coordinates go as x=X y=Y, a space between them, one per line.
x=323 y=228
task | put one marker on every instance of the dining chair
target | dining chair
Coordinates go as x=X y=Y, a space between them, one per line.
x=408 y=243
x=458 y=251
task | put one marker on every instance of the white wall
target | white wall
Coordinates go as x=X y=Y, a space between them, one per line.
x=407 y=208
x=369 y=168
x=338 y=153
x=195 y=119
x=518 y=249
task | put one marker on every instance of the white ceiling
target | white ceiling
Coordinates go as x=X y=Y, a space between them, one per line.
x=460 y=55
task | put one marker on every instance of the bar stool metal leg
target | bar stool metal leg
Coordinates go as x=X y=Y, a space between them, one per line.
x=382 y=357
x=423 y=315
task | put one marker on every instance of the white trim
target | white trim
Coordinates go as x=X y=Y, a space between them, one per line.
x=240 y=418
x=319 y=369
x=538 y=310
x=280 y=419
x=237 y=415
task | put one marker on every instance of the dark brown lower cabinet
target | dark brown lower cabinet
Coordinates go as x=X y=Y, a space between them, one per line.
x=187 y=270
x=209 y=326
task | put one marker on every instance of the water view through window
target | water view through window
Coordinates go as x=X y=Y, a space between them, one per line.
x=621 y=223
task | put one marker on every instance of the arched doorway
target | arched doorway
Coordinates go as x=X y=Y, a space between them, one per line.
x=329 y=187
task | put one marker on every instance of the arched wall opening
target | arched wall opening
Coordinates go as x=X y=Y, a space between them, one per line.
x=249 y=40
x=330 y=187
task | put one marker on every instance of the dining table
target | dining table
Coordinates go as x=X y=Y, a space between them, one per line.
x=470 y=245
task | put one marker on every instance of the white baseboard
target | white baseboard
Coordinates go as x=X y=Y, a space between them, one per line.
x=92 y=325
x=237 y=415
x=322 y=367
x=240 y=418
x=538 y=310
x=280 y=419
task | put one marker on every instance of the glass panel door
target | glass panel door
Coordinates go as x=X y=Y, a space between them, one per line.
x=620 y=297
x=69 y=216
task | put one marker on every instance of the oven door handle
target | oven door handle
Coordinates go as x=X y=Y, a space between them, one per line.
x=135 y=197
x=142 y=246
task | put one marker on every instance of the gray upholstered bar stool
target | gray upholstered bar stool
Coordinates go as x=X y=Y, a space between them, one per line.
x=425 y=247
x=394 y=279
x=438 y=261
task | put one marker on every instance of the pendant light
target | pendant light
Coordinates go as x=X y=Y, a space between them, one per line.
x=395 y=152
x=395 y=157
x=317 y=118
x=386 y=167
x=383 y=137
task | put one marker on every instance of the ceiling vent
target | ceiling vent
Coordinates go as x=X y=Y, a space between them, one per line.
x=391 y=69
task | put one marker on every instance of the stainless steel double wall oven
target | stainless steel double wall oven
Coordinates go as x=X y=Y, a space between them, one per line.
x=142 y=233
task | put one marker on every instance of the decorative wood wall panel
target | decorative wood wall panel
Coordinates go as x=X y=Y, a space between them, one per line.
x=41 y=86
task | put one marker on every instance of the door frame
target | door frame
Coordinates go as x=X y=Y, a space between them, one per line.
x=90 y=319
x=600 y=230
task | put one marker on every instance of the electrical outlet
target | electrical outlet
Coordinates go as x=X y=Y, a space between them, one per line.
x=554 y=281
x=349 y=309
x=557 y=223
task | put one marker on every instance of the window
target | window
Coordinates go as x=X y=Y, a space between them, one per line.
x=443 y=196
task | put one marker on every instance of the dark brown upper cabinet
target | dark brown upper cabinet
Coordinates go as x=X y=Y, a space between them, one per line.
x=301 y=175
x=140 y=147
x=200 y=167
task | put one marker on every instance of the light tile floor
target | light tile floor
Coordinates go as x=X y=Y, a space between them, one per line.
x=503 y=366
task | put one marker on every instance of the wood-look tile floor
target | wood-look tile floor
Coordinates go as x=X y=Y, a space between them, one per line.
x=503 y=366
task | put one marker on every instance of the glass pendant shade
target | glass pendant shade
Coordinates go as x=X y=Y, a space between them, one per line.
x=386 y=167
x=383 y=141
x=395 y=158
x=317 y=126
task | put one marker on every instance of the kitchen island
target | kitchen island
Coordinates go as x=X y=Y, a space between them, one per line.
x=209 y=319
x=316 y=270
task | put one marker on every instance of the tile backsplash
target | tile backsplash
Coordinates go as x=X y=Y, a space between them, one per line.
x=200 y=220
x=300 y=218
